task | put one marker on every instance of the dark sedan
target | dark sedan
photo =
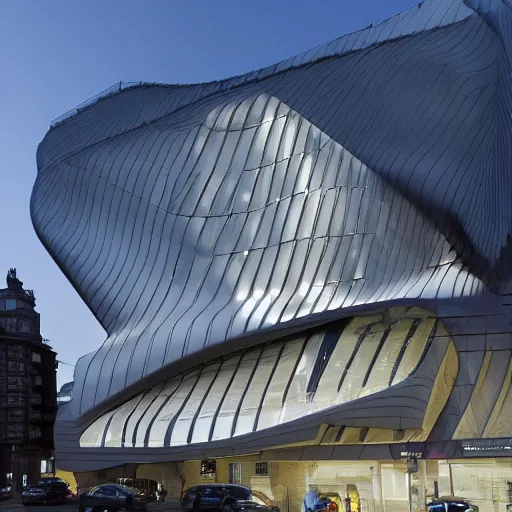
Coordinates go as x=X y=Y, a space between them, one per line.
x=6 y=493
x=33 y=495
x=113 y=498
x=222 y=498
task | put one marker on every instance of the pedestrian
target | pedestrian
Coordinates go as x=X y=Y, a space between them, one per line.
x=310 y=500
x=196 y=505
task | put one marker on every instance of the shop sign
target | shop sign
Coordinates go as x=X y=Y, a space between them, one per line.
x=412 y=455
x=488 y=446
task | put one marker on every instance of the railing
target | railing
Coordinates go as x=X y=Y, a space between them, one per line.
x=109 y=91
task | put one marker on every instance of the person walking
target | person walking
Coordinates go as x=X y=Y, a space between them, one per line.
x=310 y=500
x=196 y=505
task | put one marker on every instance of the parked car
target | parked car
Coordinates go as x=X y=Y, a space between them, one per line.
x=450 y=504
x=6 y=493
x=222 y=498
x=33 y=494
x=112 y=497
x=47 y=490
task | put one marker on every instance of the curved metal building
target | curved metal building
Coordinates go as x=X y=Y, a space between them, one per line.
x=317 y=250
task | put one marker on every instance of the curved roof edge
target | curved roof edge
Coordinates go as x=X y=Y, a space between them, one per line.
x=423 y=16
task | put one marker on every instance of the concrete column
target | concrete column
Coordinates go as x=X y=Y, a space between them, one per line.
x=377 y=488
x=418 y=483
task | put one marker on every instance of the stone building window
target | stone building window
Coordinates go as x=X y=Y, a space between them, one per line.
x=15 y=351
x=261 y=468
x=16 y=367
x=209 y=468
x=10 y=304
x=15 y=383
x=34 y=432
x=35 y=399
x=235 y=473
x=9 y=324
x=13 y=399
x=15 y=414
x=26 y=326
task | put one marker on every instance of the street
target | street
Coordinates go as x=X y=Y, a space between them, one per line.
x=170 y=505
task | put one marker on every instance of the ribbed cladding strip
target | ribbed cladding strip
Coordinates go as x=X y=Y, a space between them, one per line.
x=139 y=412
x=485 y=395
x=360 y=340
x=251 y=400
x=171 y=407
x=172 y=423
x=276 y=392
x=265 y=391
x=327 y=348
x=407 y=340
x=203 y=401
x=212 y=426
x=376 y=355
x=157 y=406
x=114 y=431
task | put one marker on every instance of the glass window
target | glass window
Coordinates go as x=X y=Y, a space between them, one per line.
x=15 y=414
x=15 y=399
x=261 y=468
x=10 y=324
x=36 y=358
x=235 y=473
x=35 y=432
x=35 y=414
x=15 y=383
x=16 y=367
x=208 y=467
x=10 y=304
x=35 y=399
x=38 y=381
x=14 y=351
x=26 y=326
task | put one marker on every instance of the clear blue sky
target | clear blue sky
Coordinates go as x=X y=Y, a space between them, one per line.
x=54 y=54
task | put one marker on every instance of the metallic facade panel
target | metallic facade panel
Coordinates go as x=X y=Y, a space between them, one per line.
x=197 y=221
x=259 y=394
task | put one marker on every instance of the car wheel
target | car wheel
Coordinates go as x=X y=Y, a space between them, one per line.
x=227 y=508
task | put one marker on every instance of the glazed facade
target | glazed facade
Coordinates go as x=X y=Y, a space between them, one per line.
x=314 y=254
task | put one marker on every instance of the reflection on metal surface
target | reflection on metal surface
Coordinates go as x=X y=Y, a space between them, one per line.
x=262 y=387
x=370 y=170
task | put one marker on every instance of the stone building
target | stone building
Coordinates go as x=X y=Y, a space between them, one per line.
x=27 y=387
